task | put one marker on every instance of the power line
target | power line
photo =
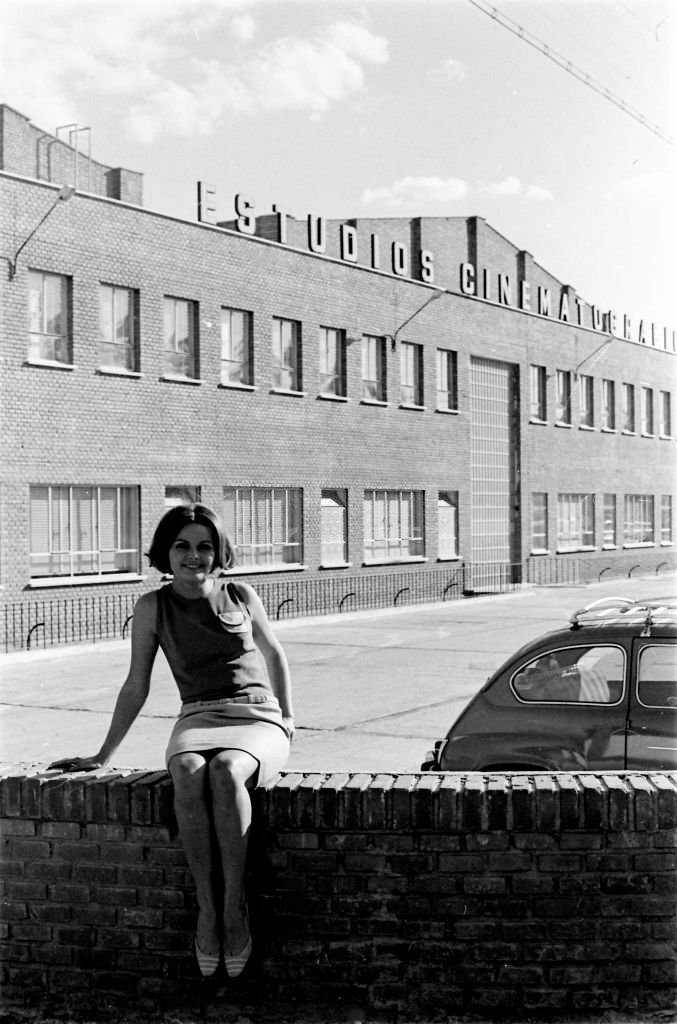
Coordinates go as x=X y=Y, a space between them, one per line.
x=570 y=67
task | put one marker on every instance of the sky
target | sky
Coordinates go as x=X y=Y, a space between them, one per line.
x=384 y=108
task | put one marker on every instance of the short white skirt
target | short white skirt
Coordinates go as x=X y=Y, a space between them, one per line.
x=250 y=724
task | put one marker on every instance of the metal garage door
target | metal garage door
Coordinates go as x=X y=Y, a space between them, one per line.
x=494 y=473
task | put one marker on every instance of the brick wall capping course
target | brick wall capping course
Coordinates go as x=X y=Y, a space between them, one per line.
x=425 y=801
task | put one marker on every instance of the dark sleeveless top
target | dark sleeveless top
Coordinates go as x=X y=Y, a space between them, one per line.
x=209 y=645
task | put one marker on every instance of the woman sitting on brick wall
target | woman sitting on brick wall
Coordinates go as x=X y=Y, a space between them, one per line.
x=235 y=724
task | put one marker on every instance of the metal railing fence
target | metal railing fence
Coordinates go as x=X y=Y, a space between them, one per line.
x=30 y=624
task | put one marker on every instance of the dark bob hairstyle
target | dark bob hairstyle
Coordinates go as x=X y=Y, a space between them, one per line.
x=170 y=527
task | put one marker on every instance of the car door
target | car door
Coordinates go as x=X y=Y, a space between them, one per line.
x=652 y=721
x=574 y=706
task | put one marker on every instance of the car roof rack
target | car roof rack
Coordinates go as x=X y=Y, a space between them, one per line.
x=609 y=611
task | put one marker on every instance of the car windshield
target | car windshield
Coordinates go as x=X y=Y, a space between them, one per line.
x=573 y=675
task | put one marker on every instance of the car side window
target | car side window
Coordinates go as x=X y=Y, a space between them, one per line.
x=573 y=675
x=657 y=676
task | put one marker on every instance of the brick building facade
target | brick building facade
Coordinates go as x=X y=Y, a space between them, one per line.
x=355 y=397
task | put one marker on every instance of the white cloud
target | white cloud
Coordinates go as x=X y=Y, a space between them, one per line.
x=423 y=192
x=143 y=62
x=539 y=194
x=416 y=192
x=311 y=74
x=243 y=27
x=655 y=186
x=451 y=70
x=510 y=186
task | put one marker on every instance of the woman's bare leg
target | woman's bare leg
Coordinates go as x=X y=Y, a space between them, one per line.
x=231 y=774
x=191 y=804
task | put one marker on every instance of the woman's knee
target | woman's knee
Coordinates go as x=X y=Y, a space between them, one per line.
x=188 y=774
x=232 y=770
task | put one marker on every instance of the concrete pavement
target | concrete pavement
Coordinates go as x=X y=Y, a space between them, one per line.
x=372 y=689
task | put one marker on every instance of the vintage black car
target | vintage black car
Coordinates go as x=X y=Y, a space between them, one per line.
x=598 y=695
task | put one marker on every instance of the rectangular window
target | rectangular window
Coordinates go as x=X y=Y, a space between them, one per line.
x=539 y=521
x=666 y=519
x=411 y=374
x=181 y=495
x=49 y=318
x=119 y=328
x=374 y=369
x=77 y=531
x=629 y=408
x=179 y=355
x=664 y=414
x=538 y=409
x=236 y=347
x=447 y=524
x=393 y=525
x=608 y=405
x=447 y=379
x=334 y=527
x=563 y=400
x=586 y=385
x=286 y=354
x=638 y=527
x=265 y=525
x=609 y=521
x=332 y=362
x=575 y=521
x=647 y=411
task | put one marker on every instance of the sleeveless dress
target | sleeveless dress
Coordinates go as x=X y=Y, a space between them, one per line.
x=227 y=700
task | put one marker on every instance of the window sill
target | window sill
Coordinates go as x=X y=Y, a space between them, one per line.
x=288 y=392
x=373 y=401
x=445 y=412
x=586 y=426
x=397 y=561
x=644 y=434
x=639 y=544
x=50 y=364
x=570 y=551
x=236 y=387
x=540 y=551
x=609 y=430
x=448 y=558
x=564 y=426
x=629 y=433
x=258 y=570
x=42 y=582
x=117 y=371
x=335 y=565
x=333 y=398
x=412 y=407
x=665 y=437
x=609 y=547
x=666 y=544
x=176 y=378
x=538 y=422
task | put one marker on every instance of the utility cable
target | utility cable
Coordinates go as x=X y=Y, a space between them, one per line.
x=570 y=67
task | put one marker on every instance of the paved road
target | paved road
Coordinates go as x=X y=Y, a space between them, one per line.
x=372 y=689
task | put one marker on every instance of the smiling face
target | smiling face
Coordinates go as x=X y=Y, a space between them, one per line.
x=191 y=558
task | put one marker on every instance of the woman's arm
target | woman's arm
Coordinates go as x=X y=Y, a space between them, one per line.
x=132 y=694
x=273 y=653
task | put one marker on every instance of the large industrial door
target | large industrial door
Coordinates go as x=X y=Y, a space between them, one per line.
x=494 y=474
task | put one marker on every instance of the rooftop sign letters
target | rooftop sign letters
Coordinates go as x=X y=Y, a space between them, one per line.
x=558 y=301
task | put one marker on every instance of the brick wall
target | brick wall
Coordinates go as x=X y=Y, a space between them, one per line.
x=34 y=153
x=414 y=894
x=79 y=424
